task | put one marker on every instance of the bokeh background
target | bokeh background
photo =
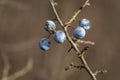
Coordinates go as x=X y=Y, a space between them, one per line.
x=21 y=28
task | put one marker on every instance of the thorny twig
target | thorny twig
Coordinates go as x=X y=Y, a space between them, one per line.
x=69 y=38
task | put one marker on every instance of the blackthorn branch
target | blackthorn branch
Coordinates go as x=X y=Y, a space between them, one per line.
x=78 y=33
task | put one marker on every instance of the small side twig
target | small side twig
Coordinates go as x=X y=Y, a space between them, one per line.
x=85 y=42
x=72 y=65
x=100 y=72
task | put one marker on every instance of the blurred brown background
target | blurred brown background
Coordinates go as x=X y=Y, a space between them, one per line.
x=21 y=27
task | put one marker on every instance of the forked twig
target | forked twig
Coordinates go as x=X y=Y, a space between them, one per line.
x=69 y=38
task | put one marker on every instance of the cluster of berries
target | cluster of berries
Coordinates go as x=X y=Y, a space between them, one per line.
x=59 y=35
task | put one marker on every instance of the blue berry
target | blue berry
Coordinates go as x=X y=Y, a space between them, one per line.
x=59 y=36
x=85 y=23
x=79 y=32
x=44 y=44
x=49 y=25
